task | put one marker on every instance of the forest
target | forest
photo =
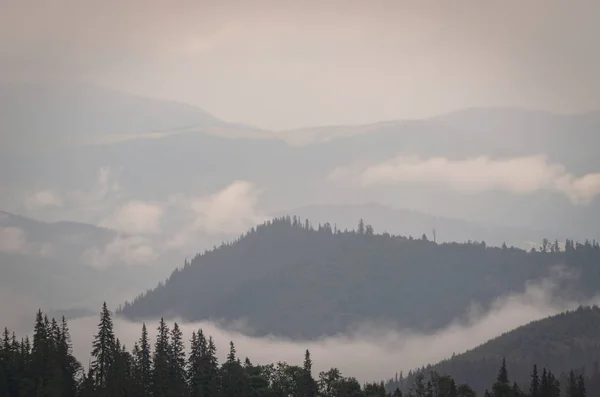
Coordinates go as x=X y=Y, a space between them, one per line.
x=46 y=367
x=290 y=278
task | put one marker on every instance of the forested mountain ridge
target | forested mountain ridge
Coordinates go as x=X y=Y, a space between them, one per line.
x=289 y=278
x=566 y=341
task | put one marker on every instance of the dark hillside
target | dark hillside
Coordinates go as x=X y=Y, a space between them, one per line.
x=288 y=278
x=560 y=343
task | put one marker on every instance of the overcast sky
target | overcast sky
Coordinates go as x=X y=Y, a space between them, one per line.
x=287 y=64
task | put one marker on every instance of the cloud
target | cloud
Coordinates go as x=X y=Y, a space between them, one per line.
x=230 y=211
x=136 y=217
x=370 y=352
x=103 y=192
x=131 y=250
x=13 y=240
x=43 y=199
x=519 y=175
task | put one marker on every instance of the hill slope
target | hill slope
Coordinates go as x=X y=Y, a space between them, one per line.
x=560 y=343
x=287 y=278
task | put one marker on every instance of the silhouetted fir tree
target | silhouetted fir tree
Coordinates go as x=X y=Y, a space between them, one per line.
x=143 y=364
x=233 y=377
x=40 y=355
x=534 y=388
x=177 y=372
x=161 y=370
x=308 y=387
x=502 y=387
x=194 y=367
x=361 y=227
x=104 y=349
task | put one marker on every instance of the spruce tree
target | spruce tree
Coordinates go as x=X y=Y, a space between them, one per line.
x=534 y=388
x=309 y=385
x=104 y=347
x=161 y=363
x=502 y=387
x=177 y=373
x=143 y=364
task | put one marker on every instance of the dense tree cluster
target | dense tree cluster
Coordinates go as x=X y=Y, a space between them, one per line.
x=276 y=274
x=46 y=367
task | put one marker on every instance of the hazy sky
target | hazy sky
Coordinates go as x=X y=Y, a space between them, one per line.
x=286 y=64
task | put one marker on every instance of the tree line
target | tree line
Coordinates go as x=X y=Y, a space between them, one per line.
x=46 y=367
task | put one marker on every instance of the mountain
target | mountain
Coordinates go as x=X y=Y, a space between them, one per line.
x=53 y=266
x=289 y=278
x=405 y=222
x=39 y=115
x=569 y=340
x=66 y=133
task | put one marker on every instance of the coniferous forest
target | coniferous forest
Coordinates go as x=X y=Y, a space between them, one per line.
x=278 y=272
x=46 y=367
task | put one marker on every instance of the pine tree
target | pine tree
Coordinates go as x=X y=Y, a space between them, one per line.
x=308 y=387
x=177 y=373
x=161 y=360
x=502 y=387
x=534 y=389
x=143 y=364
x=40 y=355
x=104 y=347
x=194 y=366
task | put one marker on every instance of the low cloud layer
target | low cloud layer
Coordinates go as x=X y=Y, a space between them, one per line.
x=369 y=353
x=520 y=175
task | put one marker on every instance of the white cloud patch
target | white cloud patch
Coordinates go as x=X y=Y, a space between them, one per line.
x=131 y=250
x=229 y=211
x=520 y=175
x=136 y=217
x=368 y=353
